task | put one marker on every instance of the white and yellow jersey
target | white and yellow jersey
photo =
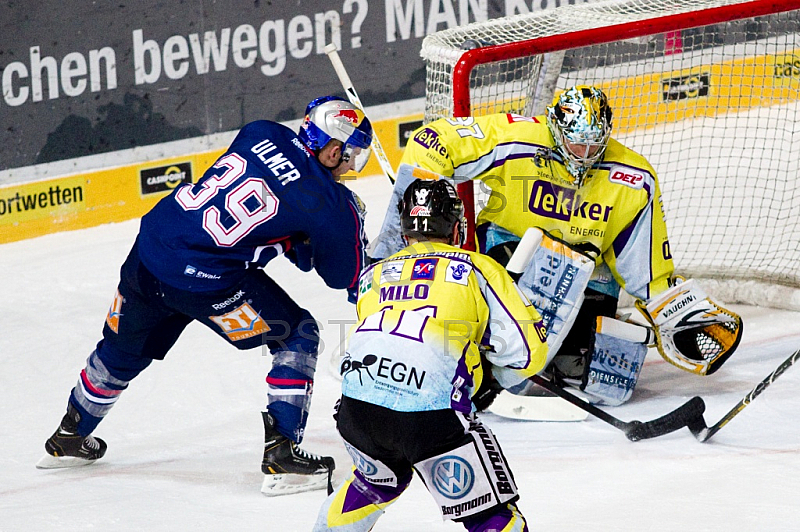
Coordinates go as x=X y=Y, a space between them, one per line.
x=617 y=209
x=422 y=313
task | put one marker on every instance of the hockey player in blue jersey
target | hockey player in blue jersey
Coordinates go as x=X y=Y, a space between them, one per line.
x=198 y=256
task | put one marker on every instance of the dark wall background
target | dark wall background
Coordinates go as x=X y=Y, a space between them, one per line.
x=380 y=51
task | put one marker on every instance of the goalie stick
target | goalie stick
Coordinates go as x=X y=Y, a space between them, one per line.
x=535 y=408
x=635 y=430
x=352 y=95
x=703 y=433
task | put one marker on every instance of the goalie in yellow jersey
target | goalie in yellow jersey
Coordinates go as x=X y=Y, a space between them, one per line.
x=413 y=369
x=589 y=195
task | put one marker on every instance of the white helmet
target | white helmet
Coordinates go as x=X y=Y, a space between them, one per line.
x=331 y=117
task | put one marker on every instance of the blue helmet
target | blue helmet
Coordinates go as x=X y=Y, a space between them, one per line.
x=331 y=117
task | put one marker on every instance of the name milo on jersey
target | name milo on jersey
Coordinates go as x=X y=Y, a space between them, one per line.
x=405 y=292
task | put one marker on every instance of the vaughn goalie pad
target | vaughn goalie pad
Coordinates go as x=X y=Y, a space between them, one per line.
x=611 y=374
x=614 y=369
x=554 y=277
x=692 y=332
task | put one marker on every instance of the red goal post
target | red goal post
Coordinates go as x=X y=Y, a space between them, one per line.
x=708 y=91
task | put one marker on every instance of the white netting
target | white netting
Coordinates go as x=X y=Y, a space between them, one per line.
x=714 y=108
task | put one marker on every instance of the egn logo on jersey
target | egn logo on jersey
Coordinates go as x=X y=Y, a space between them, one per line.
x=453 y=477
x=458 y=272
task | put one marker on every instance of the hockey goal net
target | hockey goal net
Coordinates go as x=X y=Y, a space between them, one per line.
x=707 y=90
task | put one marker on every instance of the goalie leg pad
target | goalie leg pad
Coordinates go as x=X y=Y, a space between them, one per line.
x=503 y=519
x=554 y=278
x=613 y=370
x=692 y=332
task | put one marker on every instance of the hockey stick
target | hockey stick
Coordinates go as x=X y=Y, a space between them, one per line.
x=634 y=430
x=703 y=433
x=535 y=408
x=352 y=95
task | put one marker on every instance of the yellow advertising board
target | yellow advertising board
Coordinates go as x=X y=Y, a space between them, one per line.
x=92 y=198
x=705 y=90
x=88 y=199
x=85 y=200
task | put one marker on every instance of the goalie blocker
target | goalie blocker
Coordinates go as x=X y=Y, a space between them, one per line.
x=692 y=332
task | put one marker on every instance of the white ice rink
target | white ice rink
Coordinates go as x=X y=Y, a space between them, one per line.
x=185 y=440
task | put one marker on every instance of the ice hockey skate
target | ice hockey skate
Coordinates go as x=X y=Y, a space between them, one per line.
x=67 y=448
x=289 y=469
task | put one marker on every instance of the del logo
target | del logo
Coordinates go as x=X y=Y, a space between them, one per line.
x=154 y=180
x=453 y=477
x=424 y=269
x=629 y=178
x=114 y=313
x=554 y=201
x=240 y=323
x=519 y=118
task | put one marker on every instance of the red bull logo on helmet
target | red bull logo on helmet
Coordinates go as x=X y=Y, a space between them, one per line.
x=353 y=116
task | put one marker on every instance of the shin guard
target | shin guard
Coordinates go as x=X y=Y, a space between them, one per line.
x=95 y=393
x=290 y=385
x=357 y=505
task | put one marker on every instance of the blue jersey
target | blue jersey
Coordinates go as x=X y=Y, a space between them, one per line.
x=265 y=194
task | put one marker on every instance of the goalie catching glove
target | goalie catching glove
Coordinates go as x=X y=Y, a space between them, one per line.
x=692 y=332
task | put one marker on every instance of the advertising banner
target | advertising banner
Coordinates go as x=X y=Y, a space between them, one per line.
x=82 y=78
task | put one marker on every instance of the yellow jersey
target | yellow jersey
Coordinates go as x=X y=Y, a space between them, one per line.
x=422 y=314
x=617 y=209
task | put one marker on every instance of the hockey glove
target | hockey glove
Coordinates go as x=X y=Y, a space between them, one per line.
x=301 y=255
x=352 y=295
x=692 y=332
x=487 y=392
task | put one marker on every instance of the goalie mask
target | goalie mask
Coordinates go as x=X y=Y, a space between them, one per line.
x=331 y=117
x=432 y=209
x=580 y=122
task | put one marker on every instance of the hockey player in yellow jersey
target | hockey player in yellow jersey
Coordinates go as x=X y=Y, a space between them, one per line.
x=413 y=367
x=563 y=174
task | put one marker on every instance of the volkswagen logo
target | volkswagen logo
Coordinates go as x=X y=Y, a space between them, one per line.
x=366 y=467
x=453 y=476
